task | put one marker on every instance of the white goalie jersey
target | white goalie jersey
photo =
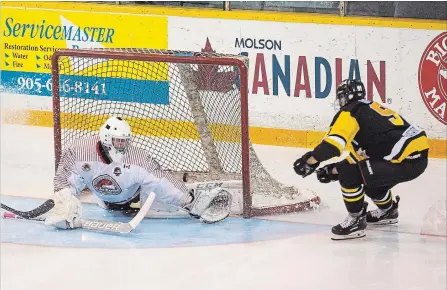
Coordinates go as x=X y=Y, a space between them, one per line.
x=84 y=164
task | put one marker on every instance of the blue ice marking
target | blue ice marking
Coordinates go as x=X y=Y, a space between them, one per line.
x=151 y=233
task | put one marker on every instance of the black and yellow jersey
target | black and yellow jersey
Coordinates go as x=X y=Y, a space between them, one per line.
x=375 y=130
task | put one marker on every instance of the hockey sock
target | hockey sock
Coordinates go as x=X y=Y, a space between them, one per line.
x=385 y=202
x=353 y=198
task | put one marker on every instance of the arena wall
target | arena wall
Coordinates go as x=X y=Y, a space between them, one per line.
x=296 y=61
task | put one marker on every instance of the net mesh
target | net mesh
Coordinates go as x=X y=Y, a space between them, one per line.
x=152 y=97
x=187 y=115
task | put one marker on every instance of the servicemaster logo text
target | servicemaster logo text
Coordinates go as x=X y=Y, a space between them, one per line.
x=57 y=32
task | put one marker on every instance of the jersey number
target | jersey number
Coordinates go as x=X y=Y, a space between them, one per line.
x=393 y=117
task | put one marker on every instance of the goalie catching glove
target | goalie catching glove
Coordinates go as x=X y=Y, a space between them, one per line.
x=67 y=211
x=209 y=205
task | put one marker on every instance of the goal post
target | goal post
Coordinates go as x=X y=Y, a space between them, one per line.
x=189 y=110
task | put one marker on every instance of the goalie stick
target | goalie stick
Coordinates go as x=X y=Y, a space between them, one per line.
x=38 y=211
x=102 y=225
x=119 y=227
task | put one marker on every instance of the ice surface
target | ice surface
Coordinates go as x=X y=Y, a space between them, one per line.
x=393 y=257
x=382 y=261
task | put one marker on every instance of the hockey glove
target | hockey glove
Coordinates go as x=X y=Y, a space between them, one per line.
x=325 y=174
x=301 y=166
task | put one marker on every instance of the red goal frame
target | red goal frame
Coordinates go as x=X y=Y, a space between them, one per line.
x=187 y=58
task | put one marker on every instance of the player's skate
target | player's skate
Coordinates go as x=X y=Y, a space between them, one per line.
x=209 y=206
x=384 y=217
x=353 y=227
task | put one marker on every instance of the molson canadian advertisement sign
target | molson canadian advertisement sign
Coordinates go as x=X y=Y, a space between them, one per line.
x=295 y=67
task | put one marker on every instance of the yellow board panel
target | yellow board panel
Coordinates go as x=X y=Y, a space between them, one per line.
x=258 y=135
x=29 y=36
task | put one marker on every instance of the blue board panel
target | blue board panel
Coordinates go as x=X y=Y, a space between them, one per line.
x=92 y=88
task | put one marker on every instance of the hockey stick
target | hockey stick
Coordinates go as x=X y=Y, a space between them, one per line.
x=38 y=211
x=119 y=227
x=101 y=225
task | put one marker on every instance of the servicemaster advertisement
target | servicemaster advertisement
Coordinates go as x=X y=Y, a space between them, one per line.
x=29 y=36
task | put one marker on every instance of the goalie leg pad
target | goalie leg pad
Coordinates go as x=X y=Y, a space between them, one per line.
x=210 y=206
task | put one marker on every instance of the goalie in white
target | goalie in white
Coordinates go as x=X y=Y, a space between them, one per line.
x=120 y=174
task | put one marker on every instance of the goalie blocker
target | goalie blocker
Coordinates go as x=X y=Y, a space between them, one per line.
x=120 y=174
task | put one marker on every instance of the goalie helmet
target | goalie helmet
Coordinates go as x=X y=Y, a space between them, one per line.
x=115 y=137
x=349 y=91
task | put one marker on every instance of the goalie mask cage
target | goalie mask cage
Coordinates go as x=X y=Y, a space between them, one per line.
x=189 y=110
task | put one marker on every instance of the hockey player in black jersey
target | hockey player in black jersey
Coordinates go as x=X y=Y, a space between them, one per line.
x=384 y=150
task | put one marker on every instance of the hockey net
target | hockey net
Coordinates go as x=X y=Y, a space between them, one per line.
x=189 y=110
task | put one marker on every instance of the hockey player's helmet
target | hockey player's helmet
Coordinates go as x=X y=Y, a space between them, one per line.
x=115 y=137
x=349 y=91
